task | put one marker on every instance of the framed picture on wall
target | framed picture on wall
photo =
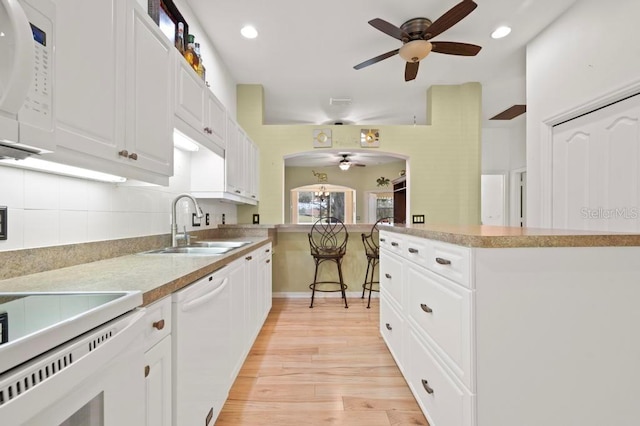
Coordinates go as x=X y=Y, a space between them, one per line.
x=166 y=15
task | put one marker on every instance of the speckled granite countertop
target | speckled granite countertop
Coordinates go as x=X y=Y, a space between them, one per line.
x=155 y=275
x=513 y=237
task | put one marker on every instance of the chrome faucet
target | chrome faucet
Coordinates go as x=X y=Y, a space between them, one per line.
x=174 y=225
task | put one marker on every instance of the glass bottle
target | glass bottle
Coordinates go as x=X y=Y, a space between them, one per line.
x=180 y=38
x=200 y=70
x=190 y=53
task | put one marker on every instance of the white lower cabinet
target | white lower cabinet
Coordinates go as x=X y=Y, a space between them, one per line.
x=157 y=358
x=509 y=336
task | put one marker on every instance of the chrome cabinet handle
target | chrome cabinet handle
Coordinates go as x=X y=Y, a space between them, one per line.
x=207 y=130
x=442 y=261
x=412 y=250
x=426 y=387
x=123 y=153
x=248 y=258
x=426 y=308
x=158 y=325
x=267 y=250
x=383 y=239
x=394 y=244
x=387 y=276
x=147 y=370
x=389 y=326
x=268 y=260
x=238 y=192
x=133 y=156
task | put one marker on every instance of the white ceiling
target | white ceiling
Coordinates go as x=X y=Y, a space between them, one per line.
x=305 y=53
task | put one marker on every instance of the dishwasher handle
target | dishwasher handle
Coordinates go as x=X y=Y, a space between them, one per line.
x=195 y=303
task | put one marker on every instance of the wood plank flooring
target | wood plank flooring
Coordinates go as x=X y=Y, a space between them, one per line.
x=322 y=366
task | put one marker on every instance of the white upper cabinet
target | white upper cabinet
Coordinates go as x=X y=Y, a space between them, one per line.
x=149 y=94
x=232 y=177
x=114 y=91
x=198 y=113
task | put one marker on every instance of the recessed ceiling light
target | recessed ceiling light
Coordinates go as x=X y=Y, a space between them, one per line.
x=501 y=32
x=249 y=31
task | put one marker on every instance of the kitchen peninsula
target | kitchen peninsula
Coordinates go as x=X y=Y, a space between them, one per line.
x=496 y=326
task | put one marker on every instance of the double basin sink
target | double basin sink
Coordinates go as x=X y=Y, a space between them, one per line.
x=203 y=248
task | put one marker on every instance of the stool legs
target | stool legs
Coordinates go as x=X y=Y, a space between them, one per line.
x=368 y=279
x=340 y=283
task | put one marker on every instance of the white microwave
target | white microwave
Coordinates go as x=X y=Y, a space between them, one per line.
x=26 y=77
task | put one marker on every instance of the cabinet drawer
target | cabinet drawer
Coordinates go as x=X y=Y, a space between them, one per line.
x=451 y=261
x=391 y=329
x=444 y=401
x=391 y=241
x=157 y=322
x=391 y=276
x=442 y=310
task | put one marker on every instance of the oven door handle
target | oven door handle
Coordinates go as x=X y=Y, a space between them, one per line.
x=198 y=301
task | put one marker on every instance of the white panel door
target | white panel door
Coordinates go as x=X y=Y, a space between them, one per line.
x=596 y=162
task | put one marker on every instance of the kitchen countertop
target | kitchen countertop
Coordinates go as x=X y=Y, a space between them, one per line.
x=155 y=275
x=485 y=236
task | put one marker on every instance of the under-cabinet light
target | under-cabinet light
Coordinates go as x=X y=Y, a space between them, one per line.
x=183 y=142
x=61 y=169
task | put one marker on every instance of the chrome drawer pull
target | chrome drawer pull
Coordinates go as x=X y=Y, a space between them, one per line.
x=389 y=327
x=387 y=276
x=426 y=386
x=248 y=258
x=147 y=370
x=394 y=244
x=268 y=260
x=383 y=239
x=412 y=250
x=158 y=325
x=443 y=261
x=426 y=308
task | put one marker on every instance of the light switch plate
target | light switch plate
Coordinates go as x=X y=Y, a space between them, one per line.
x=418 y=218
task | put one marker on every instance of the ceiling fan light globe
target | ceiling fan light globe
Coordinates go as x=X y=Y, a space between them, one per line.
x=415 y=50
x=344 y=166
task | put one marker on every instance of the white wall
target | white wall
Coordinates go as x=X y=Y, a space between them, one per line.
x=587 y=58
x=504 y=148
x=48 y=210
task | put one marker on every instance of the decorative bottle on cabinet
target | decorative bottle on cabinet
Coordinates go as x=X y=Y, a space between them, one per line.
x=190 y=53
x=180 y=38
x=200 y=69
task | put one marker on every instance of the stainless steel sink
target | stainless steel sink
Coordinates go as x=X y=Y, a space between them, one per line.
x=203 y=251
x=221 y=244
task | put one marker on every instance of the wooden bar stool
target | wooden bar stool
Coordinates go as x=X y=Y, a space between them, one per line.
x=328 y=242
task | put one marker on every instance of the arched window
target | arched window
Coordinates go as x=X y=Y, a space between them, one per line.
x=311 y=202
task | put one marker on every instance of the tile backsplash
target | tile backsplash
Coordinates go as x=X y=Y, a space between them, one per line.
x=48 y=210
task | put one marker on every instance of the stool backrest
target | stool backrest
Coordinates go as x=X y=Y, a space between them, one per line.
x=328 y=233
x=370 y=240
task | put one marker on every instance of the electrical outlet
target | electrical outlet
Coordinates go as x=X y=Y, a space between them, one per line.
x=3 y=223
x=195 y=220
x=418 y=218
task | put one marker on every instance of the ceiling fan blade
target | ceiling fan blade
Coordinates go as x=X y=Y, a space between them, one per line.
x=388 y=28
x=411 y=71
x=376 y=59
x=453 y=48
x=358 y=165
x=454 y=15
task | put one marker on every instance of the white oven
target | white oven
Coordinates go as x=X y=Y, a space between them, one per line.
x=93 y=379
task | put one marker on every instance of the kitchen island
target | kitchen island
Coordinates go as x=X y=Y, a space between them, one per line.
x=496 y=326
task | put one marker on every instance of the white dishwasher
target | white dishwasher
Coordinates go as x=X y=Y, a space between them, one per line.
x=200 y=349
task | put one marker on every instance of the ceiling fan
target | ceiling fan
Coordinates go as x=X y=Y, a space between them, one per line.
x=415 y=35
x=345 y=163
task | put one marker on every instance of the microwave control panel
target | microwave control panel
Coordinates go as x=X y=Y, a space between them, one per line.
x=37 y=109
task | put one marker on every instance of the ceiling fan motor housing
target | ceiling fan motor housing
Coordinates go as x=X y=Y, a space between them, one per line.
x=416 y=28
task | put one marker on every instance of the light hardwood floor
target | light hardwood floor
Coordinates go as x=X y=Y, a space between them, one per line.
x=322 y=366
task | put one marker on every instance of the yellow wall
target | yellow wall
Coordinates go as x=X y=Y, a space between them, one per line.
x=444 y=157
